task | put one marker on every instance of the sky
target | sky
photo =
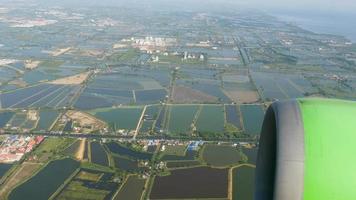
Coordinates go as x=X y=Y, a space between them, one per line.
x=307 y=6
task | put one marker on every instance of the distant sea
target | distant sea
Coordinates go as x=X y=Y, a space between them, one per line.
x=322 y=22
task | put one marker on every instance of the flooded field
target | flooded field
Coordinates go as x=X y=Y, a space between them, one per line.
x=211 y=120
x=72 y=149
x=181 y=118
x=89 y=184
x=189 y=155
x=243 y=183
x=43 y=95
x=251 y=154
x=182 y=164
x=132 y=189
x=120 y=118
x=124 y=151
x=233 y=116
x=150 y=96
x=200 y=182
x=46 y=181
x=98 y=154
x=252 y=118
x=5 y=118
x=220 y=155
x=4 y=168
x=127 y=164
x=47 y=119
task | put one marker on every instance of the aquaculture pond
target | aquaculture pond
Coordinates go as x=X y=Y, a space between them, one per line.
x=47 y=119
x=181 y=118
x=232 y=115
x=43 y=95
x=120 y=118
x=127 y=164
x=132 y=189
x=5 y=118
x=72 y=149
x=46 y=181
x=152 y=112
x=220 y=155
x=182 y=164
x=98 y=154
x=150 y=96
x=253 y=116
x=211 y=119
x=89 y=184
x=146 y=126
x=192 y=183
x=4 y=168
x=189 y=155
x=125 y=151
x=251 y=154
x=243 y=183
x=160 y=119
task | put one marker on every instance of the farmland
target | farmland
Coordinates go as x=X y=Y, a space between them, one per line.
x=243 y=182
x=137 y=101
x=220 y=155
x=207 y=183
x=89 y=184
x=132 y=189
x=45 y=182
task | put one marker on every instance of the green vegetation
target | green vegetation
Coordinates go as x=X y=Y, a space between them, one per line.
x=178 y=150
x=76 y=190
x=132 y=189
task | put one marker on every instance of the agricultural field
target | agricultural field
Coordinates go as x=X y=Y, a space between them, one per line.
x=211 y=121
x=46 y=182
x=21 y=174
x=232 y=116
x=89 y=184
x=220 y=155
x=5 y=117
x=252 y=118
x=132 y=189
x=122 y=150
x=4 y=168
x=120 y=118
x=47 y=118
x=243 y=183
x=203 y=182
x=251 y=154
x=40 y=96
x=239 y=88
x=180 y=119
x=98 y=154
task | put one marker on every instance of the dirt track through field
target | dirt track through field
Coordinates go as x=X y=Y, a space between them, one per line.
x=79 y=155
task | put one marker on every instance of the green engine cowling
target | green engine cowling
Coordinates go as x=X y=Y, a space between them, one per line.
x=308 y=151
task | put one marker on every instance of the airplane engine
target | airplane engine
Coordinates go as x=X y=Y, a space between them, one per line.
x=307 y=151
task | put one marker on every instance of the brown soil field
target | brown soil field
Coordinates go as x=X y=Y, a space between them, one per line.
x=72 y=80
x=240 y=96
x=187 y=95
x=79 y=155
x=85 y=119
